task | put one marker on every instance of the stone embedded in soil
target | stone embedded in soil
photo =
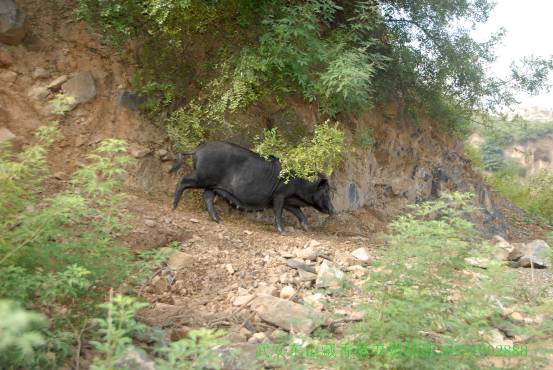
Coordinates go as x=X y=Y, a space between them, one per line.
x=81 y=87
x=242 y=299
x=329 y=276
x=38 y=93
x=12 y=23
x=502 y=248
x=287 y=292
x=194 y=220
x=286 y=314
x=135 y=359
x=229 y=268
x=6 y=134
x=295 y=264
x=159 y=284
x=149 y=223
x=362 y=254
x=265 y=289
x=180 y=261
x=306 y=276
x=40 y=73
x=309 y=253
x=482 y=263
x=286 y=278
x=56 y=83
x=496 y=338
x=258 y=338
x=138 y=151
x=314 y=300
x=8 y=77
x=536 y=255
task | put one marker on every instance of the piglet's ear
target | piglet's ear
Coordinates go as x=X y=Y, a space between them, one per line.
x=323 y=183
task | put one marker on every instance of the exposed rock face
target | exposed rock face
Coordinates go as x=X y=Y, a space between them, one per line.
x=12 y=23
x=534 y=155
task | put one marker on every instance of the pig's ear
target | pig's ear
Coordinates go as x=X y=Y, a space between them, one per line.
x=323 y=183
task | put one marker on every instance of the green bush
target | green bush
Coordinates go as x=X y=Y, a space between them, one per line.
x=425 y=295
x=20 y=335
x=322 y=153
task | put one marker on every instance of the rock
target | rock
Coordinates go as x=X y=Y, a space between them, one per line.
x=502 y=248
x=159 y=284
x=265 y=289
x=517 y=316
x=8 y=77
x=242 y=300
x=287 y=315
x=314 y=300
x=180 y=261
x=239 y=356
x=482 y=263
x=81 y=87
x=150 y=223
x=56 y=84
x=519 y=249
x=130 y=100
x=362 y=254
x=248 y=232
x=6 y=59
x=258 y=338
x=39 y=93
x=496 y=338
x=357 y=270
x=12 y=23
x=311 y=244
x=229 y=268
x=306 y=276
x=135 y=359
x=6 y=134
x=40 y=73
x=287 y=292
x=295 y=264
x=537 y=255
x=309 y=253
x=286 y=254
x=278 y=335
x=286 y=278
x=329 y=276
x=138 y=151
x=194 y=220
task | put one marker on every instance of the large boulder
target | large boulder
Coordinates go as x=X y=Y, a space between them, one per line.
x=12 y=23
x=81 y=87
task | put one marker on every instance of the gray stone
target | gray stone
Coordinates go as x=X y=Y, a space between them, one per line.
x=40 y=73
x=135 y=359
x=353 y=196
x=12 y=23
x=309 y=253
x=287 y=292
x=362 y=254
x=306 y=276
x=130 y=100
x=287 y=315
x=502 y=248
x=329 y=276
x=39 y=93
x=295 y=264
x=180 y=260
x=6 y=134
x=56 y=84
x=81 y=87
x=537 y=255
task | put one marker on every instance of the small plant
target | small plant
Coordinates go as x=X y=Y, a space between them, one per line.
x=61 y=104
x=194 y=352
x=116 y=330
x=19 y=334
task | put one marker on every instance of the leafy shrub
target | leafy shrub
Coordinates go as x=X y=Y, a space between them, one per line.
x=322 y=153
x=425 y=295
x=20 y=335
x=61 y=104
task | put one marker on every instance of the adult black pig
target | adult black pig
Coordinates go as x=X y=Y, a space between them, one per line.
x=249 y=182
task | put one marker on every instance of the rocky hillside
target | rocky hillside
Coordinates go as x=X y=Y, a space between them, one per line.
x=220 y=268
